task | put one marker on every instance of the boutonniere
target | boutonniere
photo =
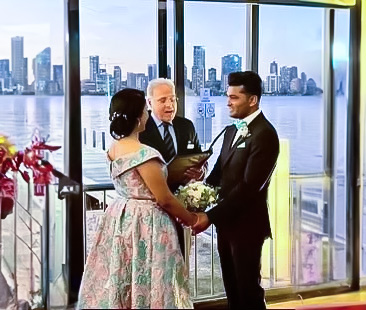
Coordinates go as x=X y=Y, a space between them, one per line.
x=242 y=128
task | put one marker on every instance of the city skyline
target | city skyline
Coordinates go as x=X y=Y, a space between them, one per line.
x=282 y=79
x=301 y=47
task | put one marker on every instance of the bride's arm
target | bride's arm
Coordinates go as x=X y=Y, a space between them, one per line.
x=154 y=178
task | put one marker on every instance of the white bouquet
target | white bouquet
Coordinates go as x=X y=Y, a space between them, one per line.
x=197 y=196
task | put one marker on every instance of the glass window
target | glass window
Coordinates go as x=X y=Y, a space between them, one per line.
x=118 y=44
x=118 y=48
x=214 y=46
x=32 y=102
x=290 y=64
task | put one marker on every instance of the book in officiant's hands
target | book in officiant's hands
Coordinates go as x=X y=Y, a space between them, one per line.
x=181 y=163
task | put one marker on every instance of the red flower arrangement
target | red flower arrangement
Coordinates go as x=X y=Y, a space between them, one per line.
x=31 y=158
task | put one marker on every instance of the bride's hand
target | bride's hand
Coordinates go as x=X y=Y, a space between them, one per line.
x=194 y=220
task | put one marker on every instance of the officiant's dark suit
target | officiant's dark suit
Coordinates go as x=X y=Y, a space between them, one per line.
x=243 y=172
x=183 y=136
x=186 y=137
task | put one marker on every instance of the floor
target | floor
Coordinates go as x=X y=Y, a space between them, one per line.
x=354 y=300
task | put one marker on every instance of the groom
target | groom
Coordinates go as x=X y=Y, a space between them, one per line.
x=243 y=170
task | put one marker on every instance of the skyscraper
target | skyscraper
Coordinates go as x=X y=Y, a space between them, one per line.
x=229 y=63
x=273 y=69
x=58 y=78
x=212 y=83
x=4 y=74
x=151 y=71
x=117 y=74
x=303 y=82
x=25 y=73
x=17 y=61
x=131 y=80
x=198 y=68
x=42 y=70
x=141 y=81
x=169 y=72
x=212 y=74
x=93 y=67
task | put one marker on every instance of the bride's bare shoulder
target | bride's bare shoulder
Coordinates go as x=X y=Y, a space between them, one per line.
x=123 y=147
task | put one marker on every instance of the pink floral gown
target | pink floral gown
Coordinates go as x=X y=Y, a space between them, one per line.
x=135 y=261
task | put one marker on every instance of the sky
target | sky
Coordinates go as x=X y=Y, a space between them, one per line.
x=124 y=33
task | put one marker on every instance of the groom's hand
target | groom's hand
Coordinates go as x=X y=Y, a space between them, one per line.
x=202 y=223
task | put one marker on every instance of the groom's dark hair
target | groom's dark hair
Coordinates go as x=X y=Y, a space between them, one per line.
x=250 y=80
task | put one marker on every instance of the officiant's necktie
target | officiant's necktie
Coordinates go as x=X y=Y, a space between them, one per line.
x=168 y=140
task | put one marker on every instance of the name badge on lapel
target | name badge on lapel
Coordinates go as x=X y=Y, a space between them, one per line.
x=241 y=145
x=190 y=145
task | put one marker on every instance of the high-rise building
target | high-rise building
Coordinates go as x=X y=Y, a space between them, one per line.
x=229 y=63
x=93 y=67
x=17 y=61
x=293 y=73
x=58 y=78
x=169 y=72
x=25 y=73
x=105 y=82
x=198 y=68
x=4 y=74
x=141 y=81
x=303 y=82
x=273 y=68
x=271 y=84
x=117 y=74
x=287 y=74
x=212 y=74
x=284 y=80
x=212 y=83
x=295 y=86
x=131 y=80
x=42 y=71
x=152 y=72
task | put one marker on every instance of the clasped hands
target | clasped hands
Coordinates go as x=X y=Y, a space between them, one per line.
x=200 y=224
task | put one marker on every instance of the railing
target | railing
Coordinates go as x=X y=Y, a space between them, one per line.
x=32 y=244
x=296 y=207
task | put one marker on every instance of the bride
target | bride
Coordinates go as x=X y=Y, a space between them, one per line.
x=135 y=261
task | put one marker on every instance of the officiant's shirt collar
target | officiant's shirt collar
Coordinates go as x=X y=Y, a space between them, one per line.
x=157 y=121
x=252 y=116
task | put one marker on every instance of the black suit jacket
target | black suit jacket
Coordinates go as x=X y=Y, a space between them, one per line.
x=187 y=140
x=243 y=175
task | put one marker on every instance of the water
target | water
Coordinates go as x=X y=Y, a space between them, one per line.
x=299 y=119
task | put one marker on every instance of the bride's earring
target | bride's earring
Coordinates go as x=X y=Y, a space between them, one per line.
x=138 y=123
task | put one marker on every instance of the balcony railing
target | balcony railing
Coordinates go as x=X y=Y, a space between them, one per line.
x=298 y=255
x=33 y=244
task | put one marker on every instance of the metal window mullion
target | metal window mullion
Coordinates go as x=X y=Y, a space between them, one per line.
x=252 y=37
x=179 y=55
x=353 y=176
x=162 y=39
x=73 y=151
x=329 y=124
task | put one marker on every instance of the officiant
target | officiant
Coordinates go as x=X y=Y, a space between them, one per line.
x=170 y=134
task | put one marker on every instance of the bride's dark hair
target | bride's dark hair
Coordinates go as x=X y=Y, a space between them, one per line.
x=126 y=107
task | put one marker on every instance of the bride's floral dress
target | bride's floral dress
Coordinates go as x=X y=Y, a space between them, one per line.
x=135 y=261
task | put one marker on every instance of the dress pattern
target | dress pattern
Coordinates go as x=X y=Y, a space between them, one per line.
x=135 y=261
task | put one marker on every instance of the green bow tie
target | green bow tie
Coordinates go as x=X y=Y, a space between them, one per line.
x=240 y=124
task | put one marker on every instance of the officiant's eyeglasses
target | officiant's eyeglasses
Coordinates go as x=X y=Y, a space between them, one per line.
x=165 y=100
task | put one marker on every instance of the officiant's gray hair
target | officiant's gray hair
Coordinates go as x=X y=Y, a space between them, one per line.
x=157 y=82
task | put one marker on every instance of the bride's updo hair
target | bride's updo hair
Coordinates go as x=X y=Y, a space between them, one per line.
x=125 y=109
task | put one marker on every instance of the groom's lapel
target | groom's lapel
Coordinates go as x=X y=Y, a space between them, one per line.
x=228 y=151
